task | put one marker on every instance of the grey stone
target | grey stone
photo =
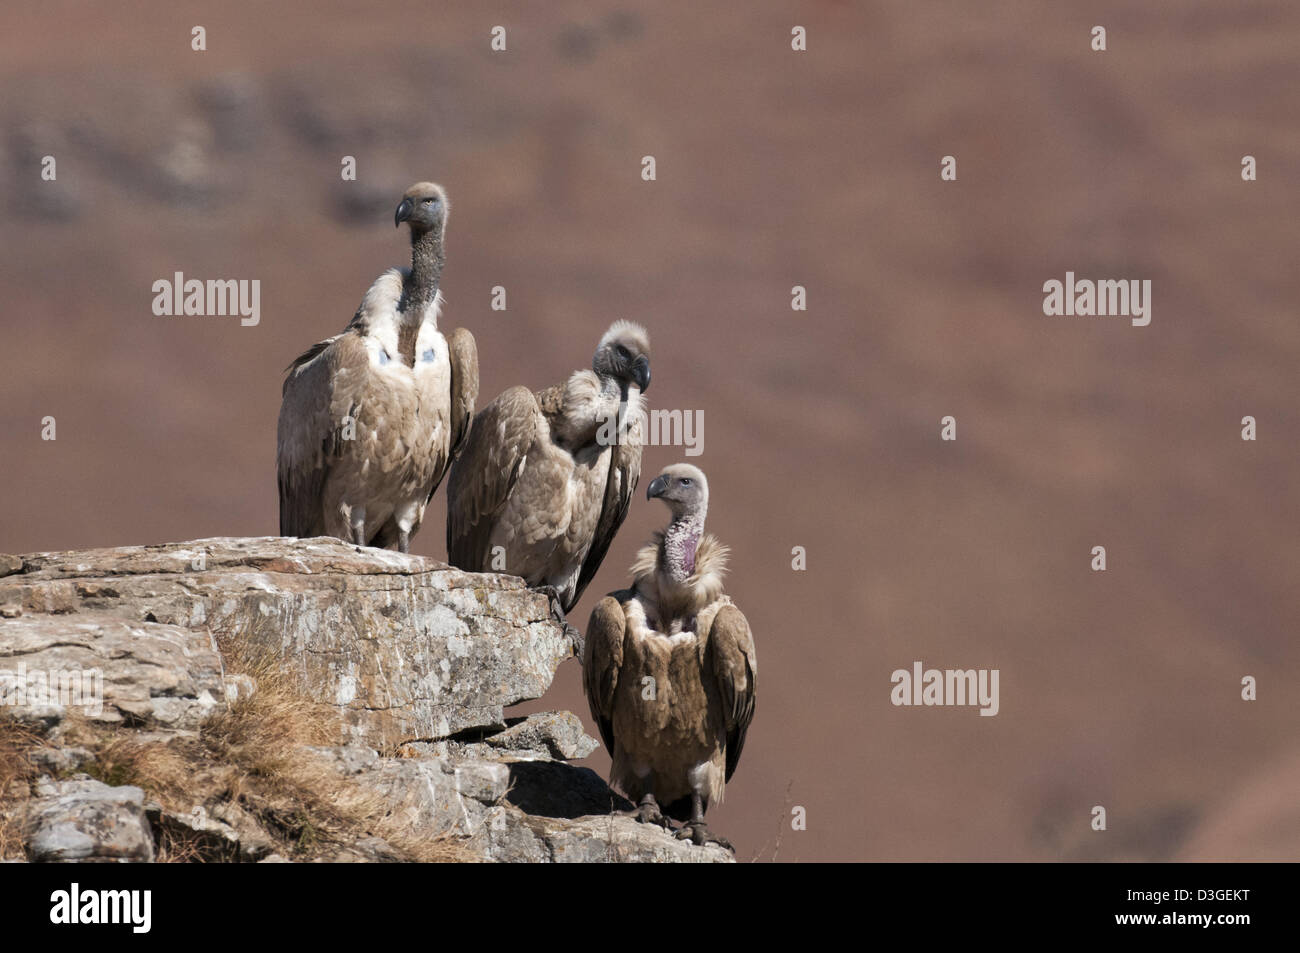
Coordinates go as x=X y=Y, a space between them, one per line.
x=85 y=820
x=110 y=669
x=350 y=759
x=208 y=838
x=254 y=843
x=483 y=781
x=556 y=734
x=59 y=760
x=508 y=835
x=367 y=850
x=418 y=794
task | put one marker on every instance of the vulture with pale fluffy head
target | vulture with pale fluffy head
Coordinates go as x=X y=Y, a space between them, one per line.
x=668 y=668
x=545 y=479
x=372 y=417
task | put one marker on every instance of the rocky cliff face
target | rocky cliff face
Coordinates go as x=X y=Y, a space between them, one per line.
x=274 y=699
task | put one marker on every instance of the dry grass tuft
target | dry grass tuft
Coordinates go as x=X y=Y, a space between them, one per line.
x=256 y=753
x=17 y=741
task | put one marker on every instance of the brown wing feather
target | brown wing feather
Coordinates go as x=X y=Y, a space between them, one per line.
x=306 y=356
x=624 y=473
x=300 y=504
x=731 y=646
x=305 y=440
x=464 y=387
x=490 y=461
x=602 y=657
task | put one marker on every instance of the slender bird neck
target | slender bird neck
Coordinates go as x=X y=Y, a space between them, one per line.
x=427 y=260
x=681 y=540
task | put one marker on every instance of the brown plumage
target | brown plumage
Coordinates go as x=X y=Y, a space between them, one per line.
x=545 y=479
x=669 y=668
x=372 y=417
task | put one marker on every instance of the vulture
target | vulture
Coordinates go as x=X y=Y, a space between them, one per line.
x=668 y=668
x=372 y=417
x=545 y=478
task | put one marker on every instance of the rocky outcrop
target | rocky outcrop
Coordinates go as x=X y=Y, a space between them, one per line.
x=411 y=665
x=403 y=647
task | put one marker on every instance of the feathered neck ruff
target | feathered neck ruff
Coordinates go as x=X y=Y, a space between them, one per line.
x=701 y=588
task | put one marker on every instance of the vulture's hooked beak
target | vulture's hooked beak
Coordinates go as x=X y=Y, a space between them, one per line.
x=403 y=212
x=641 y=370
x=658 y=486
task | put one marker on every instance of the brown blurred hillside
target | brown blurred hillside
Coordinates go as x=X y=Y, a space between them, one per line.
x=774 y=169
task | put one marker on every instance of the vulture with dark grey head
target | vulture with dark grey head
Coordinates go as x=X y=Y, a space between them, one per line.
x=372 y=417
x=545 y=478
x=669 y=667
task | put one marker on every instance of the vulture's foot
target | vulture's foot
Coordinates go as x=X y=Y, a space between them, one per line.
x=698 y=833
x=403 y=541
x=557 y=611
x=647 y=812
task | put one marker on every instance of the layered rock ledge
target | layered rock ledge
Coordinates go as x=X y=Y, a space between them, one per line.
x=403 y=666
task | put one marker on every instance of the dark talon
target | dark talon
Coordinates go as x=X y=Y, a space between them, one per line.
x=697 y=831
x=647 y=812
x=557 y=611
x=699 y=834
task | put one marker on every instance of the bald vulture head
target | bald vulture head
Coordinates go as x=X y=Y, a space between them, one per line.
x=624 y=354
x=683 y=488
x=423 y=207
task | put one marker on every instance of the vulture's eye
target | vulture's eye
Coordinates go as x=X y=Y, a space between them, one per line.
x=686 y=481
x=622 y=351
x=430 y=201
